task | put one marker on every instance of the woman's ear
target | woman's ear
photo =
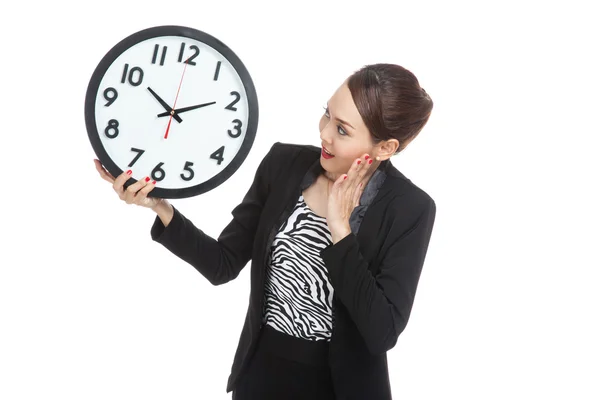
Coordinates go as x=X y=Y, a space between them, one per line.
x=387 y=149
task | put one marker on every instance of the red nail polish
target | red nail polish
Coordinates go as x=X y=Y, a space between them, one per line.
x=154 y=182
x=147 y=179
x=345 y=177
x=370 y=161
x=358 y=162
x=366 y=157
x=129 y=172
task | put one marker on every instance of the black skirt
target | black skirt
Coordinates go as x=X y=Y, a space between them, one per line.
x=285 y=367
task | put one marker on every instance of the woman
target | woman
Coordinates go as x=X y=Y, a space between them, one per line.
x=336 y=237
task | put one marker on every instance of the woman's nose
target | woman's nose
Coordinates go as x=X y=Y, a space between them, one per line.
x=325 y=132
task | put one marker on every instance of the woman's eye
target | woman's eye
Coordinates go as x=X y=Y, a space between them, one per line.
x=340 y=129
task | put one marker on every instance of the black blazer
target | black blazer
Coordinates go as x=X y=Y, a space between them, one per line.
x=374 y=271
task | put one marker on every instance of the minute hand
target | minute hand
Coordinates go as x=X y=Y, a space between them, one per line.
x=165 y=105
x=184 y=109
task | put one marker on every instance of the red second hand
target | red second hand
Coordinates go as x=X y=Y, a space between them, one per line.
x=176 y=96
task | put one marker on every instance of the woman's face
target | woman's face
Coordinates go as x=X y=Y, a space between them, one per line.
x=343 y=134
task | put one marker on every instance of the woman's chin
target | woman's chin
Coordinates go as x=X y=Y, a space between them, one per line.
x=326 y=164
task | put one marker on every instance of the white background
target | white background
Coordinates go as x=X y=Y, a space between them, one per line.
x=507 y=306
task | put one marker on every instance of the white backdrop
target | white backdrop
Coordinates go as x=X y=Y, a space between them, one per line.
x=507 y=306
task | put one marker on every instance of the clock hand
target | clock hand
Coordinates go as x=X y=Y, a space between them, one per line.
x=176 y=96
x=184 y=109
x=165 y=105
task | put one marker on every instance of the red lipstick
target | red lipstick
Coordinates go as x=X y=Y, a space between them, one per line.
x=325 y=155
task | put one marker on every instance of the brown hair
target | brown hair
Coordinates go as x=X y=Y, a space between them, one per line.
x=390 y=101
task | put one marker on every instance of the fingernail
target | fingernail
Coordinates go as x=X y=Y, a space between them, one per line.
x=370 y=161
x=147 y=179
x=154 y=182
x=345 y=177
x=358 y=162
x=129 y=172
x=366 y=157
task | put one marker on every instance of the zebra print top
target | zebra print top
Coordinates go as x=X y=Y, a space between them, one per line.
x=298 y=292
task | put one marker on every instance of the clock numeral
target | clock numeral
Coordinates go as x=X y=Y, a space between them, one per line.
x=187 y=166
x=110 y=94
x=218 y=155
x=158 y=174
x=113 y=125
x=230 y=106
x=217 y=70
x=140 y=152
x=132 y=78
x=189 y=60
x=162 y=57
x=238 y=125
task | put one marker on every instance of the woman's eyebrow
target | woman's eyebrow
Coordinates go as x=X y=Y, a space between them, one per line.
x=341 y=120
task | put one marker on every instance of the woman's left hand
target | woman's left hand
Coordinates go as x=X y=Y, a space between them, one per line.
x=345 y=193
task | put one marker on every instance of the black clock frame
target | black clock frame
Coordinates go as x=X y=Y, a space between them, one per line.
x=187 y=32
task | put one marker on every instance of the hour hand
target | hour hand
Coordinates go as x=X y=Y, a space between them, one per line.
x=184 y=109
x=163 y=103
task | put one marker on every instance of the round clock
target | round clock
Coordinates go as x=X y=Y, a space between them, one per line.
x=175 y=104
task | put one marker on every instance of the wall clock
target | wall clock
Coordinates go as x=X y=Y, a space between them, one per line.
x=175 y=104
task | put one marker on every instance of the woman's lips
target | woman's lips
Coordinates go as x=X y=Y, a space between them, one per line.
x=325 y=155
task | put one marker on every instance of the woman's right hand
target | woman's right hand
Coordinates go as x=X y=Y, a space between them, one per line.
x=135 y=193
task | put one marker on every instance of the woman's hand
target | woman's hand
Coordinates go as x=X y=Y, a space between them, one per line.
x=135 y=193
x=345 y=193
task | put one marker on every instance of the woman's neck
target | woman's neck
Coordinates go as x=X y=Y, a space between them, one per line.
x=331 y=176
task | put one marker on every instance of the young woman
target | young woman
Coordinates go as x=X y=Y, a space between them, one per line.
x=337 y=238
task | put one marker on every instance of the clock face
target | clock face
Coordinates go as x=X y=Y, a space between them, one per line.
x=174 y=104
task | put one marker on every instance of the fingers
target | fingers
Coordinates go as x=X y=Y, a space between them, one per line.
x=141 y=197
x=357 y=194
x=356 y=177
x=341 y=179
x=104 y=174
x=137 y=192
x=359 y=169
x=131 y=191
x=119 y=182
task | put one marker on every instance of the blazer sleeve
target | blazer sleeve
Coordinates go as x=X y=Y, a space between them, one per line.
x=221 y=260
x=380 y=305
